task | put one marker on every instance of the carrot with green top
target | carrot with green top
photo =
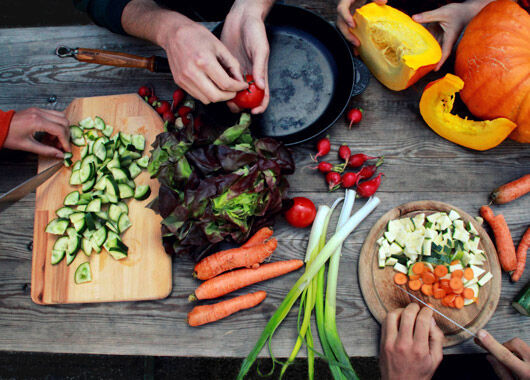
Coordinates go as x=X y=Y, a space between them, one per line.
x=503 y=238
x=201 y=315
x=522 y=250
x=237 y=279
x=223 y=261
x=512 y=190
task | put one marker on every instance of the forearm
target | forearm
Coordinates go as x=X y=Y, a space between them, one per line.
x=475 y=6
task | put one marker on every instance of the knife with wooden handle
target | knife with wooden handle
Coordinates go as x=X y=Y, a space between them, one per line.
x=154 y=63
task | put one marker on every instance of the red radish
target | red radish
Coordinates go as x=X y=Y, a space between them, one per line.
x=349 y=179
x=368 y=188
x=357 y=160
x=368 y=171
x=333 y=180
x=183 y=112
x=163 y=107
x=153 y=100
x=344 y=152
x=355 y=115
x=169 y=117
x=323 y=147
x=178 y=96
x=144 y=91
x=323 y=167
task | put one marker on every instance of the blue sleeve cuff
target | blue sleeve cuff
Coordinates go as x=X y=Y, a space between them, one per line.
x=107 y=13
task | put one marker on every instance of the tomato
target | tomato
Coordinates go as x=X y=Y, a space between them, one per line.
x=302 y=212
x=251 y=97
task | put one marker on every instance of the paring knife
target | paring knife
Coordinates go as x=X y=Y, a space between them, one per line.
x=436 y=311
x=28 y=186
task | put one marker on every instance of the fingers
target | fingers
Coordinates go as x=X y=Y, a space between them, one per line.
x=450 y=38
x=429 y=16
x=55 y=129
x=231 y=64
x=519 y=347
x=221 y=78
x=233 y=108
x=343 y=12
x=501 y=353
x=502 y=372
x=389 y=330
x=380 y=2
x=32 y=145
x=407 y=321
x=261 y=76
x=422 y=328
x=436 y=342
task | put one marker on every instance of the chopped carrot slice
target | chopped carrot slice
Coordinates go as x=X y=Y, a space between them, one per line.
x=454 y=262
x=435 y=286
x=418 y=268
x=440 y=270
x=456 y=283
x=428 y=278
x=468 y=274
x=457 y=273
x=414 y=284
x=439 y=293
x=459 y=290
x=459 y=302
x=426 y=289
x=400 y=278
x=444 y=284
x=449 y=299
x=468 y=293
x=414 y=277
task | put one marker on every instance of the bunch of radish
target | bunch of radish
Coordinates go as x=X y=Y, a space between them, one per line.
x=176 y=113
x=337 y=176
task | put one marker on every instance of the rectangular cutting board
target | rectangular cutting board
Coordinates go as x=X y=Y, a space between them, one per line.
x=146 y=273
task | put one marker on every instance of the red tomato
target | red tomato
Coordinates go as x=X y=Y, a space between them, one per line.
x=302 y=212
x=251 y=97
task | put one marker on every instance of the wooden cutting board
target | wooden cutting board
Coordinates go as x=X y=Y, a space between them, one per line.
x=146 y=273
x=381 y=295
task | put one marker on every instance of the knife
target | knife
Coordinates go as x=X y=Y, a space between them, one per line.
x=28 y=186
x=436 y=311
x=154 y=63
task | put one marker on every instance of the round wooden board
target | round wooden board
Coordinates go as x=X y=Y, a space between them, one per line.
x=381 y=295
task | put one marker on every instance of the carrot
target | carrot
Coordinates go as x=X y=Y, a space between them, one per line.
x=449 y=300
x=459 y=290
x=456 y=283
x=418 y=268
x=400 y=278
x=414 y=277
x=512 y=190
x=522 y=250
x=428 y=278
x=414 y=284
x=439 y=293
x=201 y=315
x=503 y=238
x=468 y=274
x=454 y=262
x=468 y=293
x=237 y=279
x=259 y=237
x=223 y=261
x=459 y=302
x=435 y=287
x=426 y=289
x=459 y=273
x=440 y=270
x=444 y=284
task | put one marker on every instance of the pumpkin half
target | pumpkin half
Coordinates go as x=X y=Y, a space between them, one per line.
x=493 y=59
x=436 y=104
x=397 y=50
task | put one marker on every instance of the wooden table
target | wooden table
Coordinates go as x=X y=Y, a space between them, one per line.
x=418 y=165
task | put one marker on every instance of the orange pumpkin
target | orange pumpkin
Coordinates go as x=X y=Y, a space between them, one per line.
x=493 y=60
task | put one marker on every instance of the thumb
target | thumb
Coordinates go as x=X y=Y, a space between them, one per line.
x=43 y=149
x=260 y=67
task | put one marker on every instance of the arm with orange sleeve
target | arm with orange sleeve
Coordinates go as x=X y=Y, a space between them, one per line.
x=5 y=122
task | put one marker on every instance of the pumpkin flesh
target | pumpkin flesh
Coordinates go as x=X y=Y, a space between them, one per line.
x=397 y=50
x=436 y=104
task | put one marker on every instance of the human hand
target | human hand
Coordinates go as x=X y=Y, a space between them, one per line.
x=26 y=123
x=411 y=344
x=510 y=360
x=245 y=37
x=345 y=21
x=449 y=21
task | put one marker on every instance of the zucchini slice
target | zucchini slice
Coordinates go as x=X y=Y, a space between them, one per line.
x=76 y=135
x=82 y=273
x=142 y=192
x=57 y=226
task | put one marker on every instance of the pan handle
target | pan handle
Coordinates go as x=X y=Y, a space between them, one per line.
x=362 y=77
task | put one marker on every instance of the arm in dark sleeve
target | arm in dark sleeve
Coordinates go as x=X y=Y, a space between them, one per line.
x=106 y=13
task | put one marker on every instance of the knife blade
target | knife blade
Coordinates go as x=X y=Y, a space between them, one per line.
x=436 y=311
x=28 y=186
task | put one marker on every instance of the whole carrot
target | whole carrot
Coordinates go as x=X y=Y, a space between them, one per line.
x=201 y=315
x=224 y=261
x=237 y=279
x=503 y=238
x=522 y=250
x=259 y=237
x=512 y=190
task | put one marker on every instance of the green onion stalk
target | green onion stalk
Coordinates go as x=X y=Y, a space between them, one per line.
x=312 y=268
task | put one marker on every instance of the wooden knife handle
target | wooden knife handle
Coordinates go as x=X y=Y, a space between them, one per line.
x=112 y=58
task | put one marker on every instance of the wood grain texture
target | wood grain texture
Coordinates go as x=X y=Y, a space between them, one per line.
x=382 y=296
x=146 y=272
x=418 y=165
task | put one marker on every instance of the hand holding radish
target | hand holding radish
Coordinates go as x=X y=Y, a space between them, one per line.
x=411 y=344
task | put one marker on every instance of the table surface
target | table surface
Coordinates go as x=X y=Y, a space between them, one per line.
x=419 y=165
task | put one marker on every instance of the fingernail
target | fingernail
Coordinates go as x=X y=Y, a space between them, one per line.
x=482 y=334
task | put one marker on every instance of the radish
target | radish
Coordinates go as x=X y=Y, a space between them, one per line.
x=324 y=167
x=344 y=152
x=323 y=147
x=333 y=180
x=357 y=160
x=183 y=112
x=355 y=115
x=153 y=100
x=368 y=188
x=349 y=179
x=144 y=91
x=178 y=96
x=163 y=107
x=368 y=171
x=169 y=117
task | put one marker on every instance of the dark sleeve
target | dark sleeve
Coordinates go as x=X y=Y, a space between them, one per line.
x=106 y=13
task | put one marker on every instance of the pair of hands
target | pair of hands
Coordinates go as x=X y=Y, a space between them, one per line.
x=445 y=23
x=411 y=348
x=213 y=70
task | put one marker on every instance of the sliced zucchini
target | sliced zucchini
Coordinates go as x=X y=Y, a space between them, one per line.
x=87 y=171
x=139 y=142
x=99 y=149
x=134 y=170
x=123 y=206
x=99 y=123
x=72 y=198
x=124 y=223
x=87 y=123
x=76 y=135
x=75 y=178
x=143 y=162
x=67 y=159
x=94 y=206
x=119 y=175
x=99 y=236
x=114 y=212
x=91 y=136
x=57 y=226
x=125 y=191
x=107 y=131
x=57 y=256
x=88 y=185
x=86 y=246
x=83 y=274
x=76 y=166
x=64 y=212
